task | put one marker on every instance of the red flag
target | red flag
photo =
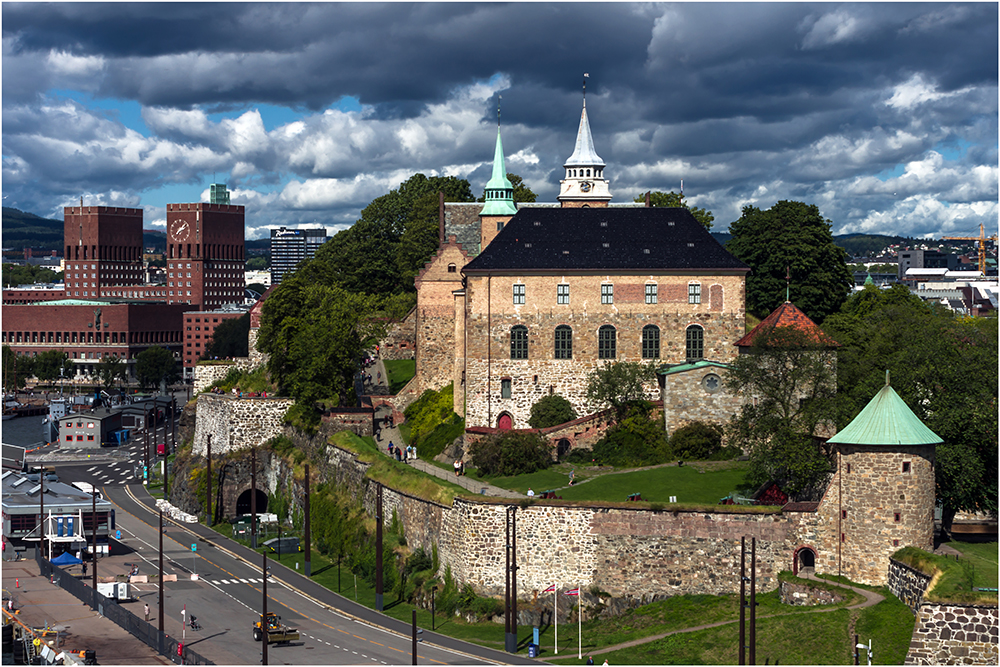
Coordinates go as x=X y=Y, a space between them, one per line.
x=550 y=589
x=572 y=591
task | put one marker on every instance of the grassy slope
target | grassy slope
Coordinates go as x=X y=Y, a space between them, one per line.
x=400 y=371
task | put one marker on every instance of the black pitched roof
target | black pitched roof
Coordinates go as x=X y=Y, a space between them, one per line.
x=636 y=239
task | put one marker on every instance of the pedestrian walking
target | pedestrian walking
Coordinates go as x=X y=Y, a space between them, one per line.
x=146 y=610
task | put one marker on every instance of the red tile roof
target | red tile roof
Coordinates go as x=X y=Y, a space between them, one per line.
x=787 y=315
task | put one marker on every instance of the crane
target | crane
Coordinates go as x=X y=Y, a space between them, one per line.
x=982 y=238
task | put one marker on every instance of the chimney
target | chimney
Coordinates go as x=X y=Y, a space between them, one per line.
x=647 y=199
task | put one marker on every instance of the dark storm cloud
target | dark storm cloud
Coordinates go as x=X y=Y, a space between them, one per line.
x=746 y=102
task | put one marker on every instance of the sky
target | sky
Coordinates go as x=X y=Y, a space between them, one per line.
x=882 y=115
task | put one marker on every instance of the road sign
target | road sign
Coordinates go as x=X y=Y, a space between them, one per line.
x=194 y=546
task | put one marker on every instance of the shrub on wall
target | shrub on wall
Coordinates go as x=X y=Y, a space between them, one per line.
x=551 y=410
x=431 y=409
x=511 y=453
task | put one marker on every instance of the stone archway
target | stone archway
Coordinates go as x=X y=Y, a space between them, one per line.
x=804 y=560
x=563 y=447
x=243 y=502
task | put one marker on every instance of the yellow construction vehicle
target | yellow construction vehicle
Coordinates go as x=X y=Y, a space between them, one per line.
x=277 y=632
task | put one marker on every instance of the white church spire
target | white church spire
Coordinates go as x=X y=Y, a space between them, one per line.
x=584 y=184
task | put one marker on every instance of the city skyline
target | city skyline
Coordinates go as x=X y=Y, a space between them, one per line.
x=883 y=115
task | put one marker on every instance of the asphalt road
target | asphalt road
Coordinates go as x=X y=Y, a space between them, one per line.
x=228 y=593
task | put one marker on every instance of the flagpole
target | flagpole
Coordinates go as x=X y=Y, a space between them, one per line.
x=579 y=619
x=555 y=615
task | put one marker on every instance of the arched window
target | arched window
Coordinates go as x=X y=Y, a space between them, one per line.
x=564 y=342
x=695 y=343
x=519 y=342
x=651 y=342
x=606 y=342
x=451 y=268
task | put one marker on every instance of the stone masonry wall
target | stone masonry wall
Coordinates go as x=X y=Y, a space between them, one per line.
x=435 y=316
x=887 y=506
x=490 y=315
x=400 y=341
x=205 y=375
x=237 y=423
x=907 y=584
x=639 y=554
x=803 y=595
x=695 y=396
x=954 y=635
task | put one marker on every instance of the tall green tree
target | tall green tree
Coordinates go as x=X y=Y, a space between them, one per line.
x=618 y=384
x=788 y=380
x=231 y=338
x=49 y=363
x=365 y=258
x=154 y=366
x=790 y=236
x=945 y=370
x=111 y=370
x=315 y=334
x=673 y=199
x=16 y=369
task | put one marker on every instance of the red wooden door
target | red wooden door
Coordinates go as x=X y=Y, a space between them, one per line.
x=505 y=423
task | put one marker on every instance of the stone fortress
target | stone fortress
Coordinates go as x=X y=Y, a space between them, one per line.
x=520 y=302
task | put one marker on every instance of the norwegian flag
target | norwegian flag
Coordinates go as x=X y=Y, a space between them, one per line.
x=572 y=591
x=550 y=589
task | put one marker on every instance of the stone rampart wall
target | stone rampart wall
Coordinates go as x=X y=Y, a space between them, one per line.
x=399 y=341
x=237 y=423
x=358 y=420
x=907 y=584
x=802 y=595
x=205 y=375
x=954 y=635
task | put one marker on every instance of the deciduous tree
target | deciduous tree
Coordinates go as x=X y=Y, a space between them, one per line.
x=790 y=236
x=945 y=370
x=154 y=366
x=231 y=338
x=551 y=410
x=617 y=384
x=48 y=364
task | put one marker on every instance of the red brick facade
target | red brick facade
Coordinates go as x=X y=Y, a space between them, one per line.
x=205 y=254
x=103 y=250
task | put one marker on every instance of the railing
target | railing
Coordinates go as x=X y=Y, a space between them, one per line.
x=161 y=642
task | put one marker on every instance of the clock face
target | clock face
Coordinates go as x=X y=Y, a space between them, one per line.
x=585 y=186
x=181 y=229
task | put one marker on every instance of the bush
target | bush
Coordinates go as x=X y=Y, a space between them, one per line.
x=511 y=453
x=432 y=421
x=635 y=441
x=697 y=441
x=551 y=410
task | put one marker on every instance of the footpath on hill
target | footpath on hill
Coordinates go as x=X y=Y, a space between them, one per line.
x=391 y=434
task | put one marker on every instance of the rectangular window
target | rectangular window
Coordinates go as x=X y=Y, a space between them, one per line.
x=906 y=466
x=562 y=294
x=518 y=295
x=90 y=438
x=694 y=293
x=607 y=293
x=897 y=517
x=505 y=388
x=848 y=468
x=843 y=514
x=650 y=293
x=564 y=342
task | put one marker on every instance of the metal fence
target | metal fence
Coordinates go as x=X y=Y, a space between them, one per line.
x=145 y=632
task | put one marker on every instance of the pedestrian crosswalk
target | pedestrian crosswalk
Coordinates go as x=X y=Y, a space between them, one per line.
x=224 y=582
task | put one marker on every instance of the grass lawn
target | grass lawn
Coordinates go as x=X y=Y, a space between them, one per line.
x=399 y=372
x=983 y=557
x=701 y=483
x=889 y=625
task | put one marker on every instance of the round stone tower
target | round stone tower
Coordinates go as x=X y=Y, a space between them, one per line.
x=885 y=484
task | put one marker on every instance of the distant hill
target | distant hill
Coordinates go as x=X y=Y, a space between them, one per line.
x=27 y=230
x=869 y=245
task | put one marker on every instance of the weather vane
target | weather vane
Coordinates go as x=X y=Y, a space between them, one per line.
x=585 y=77
x=499 y=97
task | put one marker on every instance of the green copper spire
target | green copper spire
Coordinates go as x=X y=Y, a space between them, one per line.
x=499 y=191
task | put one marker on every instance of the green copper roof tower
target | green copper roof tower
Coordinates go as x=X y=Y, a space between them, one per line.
x=499 y=191
x=886 y=420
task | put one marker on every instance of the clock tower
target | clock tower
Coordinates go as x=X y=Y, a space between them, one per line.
x=205 y=252
x=584 y=185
